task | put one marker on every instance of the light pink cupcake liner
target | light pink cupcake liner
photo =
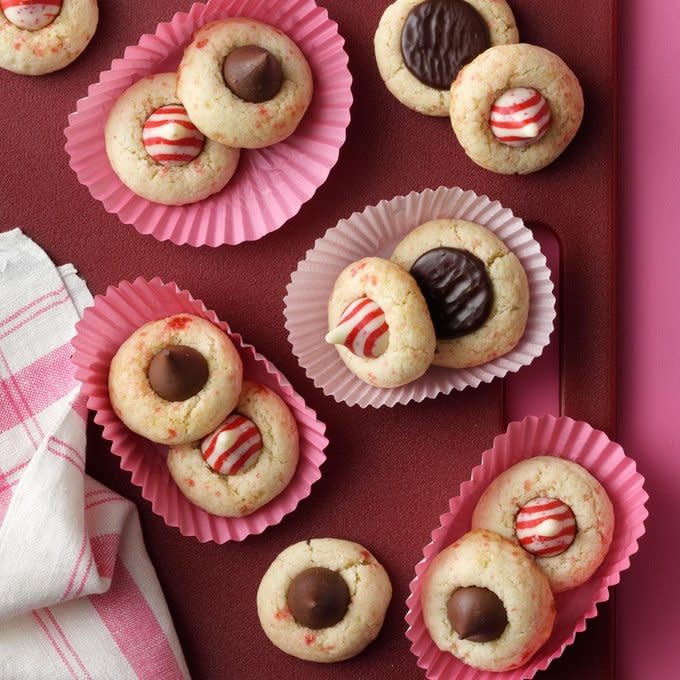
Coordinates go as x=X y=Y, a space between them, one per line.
x=104 y=326
x=375 y=232
x=605 y=460
x=270 y=184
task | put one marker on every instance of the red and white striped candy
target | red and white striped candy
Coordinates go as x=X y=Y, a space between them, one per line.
x=520 y=116
x=29 y=14
x=233 y=447
x=170 y=138
x=362 y=329
x=545 y=527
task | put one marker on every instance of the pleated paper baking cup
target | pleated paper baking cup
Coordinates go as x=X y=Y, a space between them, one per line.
x=606 y=461
x=110 y=321
x=271 y=184
x=375 y=232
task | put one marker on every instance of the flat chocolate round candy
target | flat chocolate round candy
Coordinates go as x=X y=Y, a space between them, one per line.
x=477 y=614
x=253 y=74
x=441 y=36
x=457 y=289
x=178 y=372
x=318 y=598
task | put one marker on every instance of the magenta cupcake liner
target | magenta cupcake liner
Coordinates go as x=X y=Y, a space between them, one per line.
x=375 y=232
x=605 y=460
x=271 y=184
x=111 y=320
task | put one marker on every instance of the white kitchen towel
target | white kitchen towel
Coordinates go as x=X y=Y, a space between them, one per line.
x=79 y=597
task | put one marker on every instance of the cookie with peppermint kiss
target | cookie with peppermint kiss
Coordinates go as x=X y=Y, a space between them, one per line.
x=556 y=511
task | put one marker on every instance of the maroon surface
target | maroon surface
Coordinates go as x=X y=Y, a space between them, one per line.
x=389 y=472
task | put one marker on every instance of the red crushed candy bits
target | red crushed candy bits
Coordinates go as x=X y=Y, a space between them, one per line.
x=357 y=268
x=179 y=322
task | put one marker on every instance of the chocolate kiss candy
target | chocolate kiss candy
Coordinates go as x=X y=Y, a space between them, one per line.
x=253 y=74
x=178 y=372
x=318 y=598
x=477 y=614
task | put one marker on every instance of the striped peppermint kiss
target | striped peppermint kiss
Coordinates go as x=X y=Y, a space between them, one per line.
x=170 y=138
x=30 y=15
x=362 y=329
x=520 y=116
x=545 y=527
x=233 y=447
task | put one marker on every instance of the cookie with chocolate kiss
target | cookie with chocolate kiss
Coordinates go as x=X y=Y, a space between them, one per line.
x=174 y=380
x=323 y=599
x=244 y=84
x=485 y=601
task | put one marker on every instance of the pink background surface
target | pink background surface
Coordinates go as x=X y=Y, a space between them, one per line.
x=648 y=617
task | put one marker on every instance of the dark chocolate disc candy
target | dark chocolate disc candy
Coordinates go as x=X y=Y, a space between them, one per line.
x=178 y=372
x=318 y=598
x=253 y=74
x=441 y=36
x=477 y=614
x=457 y=290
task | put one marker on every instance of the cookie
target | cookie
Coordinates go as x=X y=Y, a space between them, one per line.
x=390 y=349
x=485 y=601
x=557 y=511
x=42 y=37
x=420 y=46
x=476 y=289
x=323 y=600
x=516 y=108
x=156 y=150
x=244 y=83
x=175 y=380
x=249 y=459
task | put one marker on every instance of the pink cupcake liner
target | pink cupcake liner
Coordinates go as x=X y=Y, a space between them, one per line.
x=375 y=232
x=564 y=438
x=104 y=326
x=270 y=184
